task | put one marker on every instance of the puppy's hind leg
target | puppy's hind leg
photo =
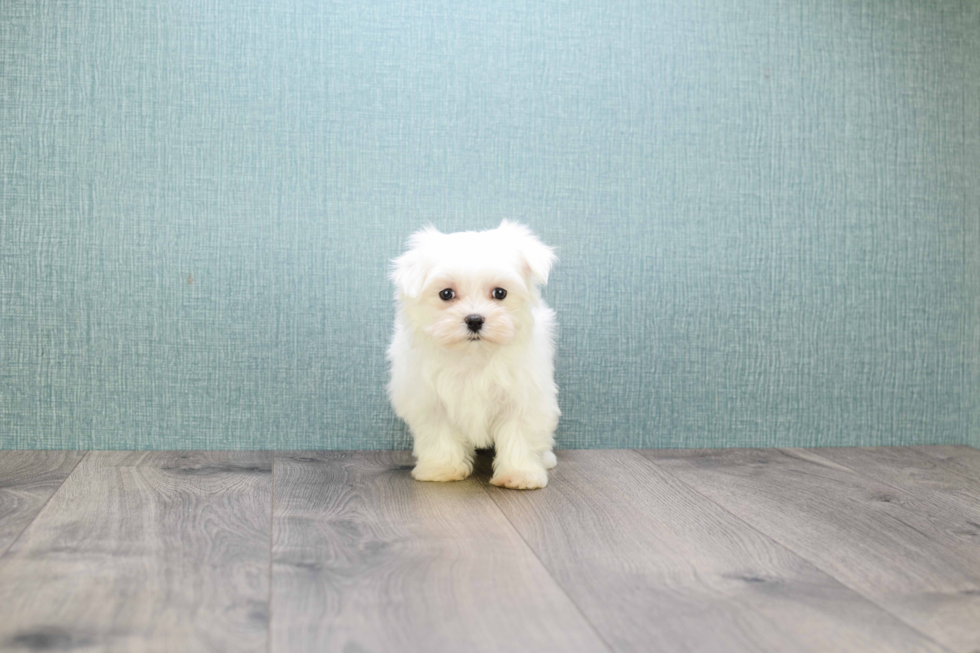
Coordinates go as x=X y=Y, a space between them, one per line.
x=440 y=454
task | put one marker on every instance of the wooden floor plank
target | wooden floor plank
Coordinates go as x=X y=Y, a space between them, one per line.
x=876 y=539
x=957 y=458
x=27 y=481
x=367 y=559
x=925 y=476
x=657 y=567
x=145 y=551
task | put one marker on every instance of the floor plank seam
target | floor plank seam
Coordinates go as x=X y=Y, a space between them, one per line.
x=46 y=502
x=792 y=550
x=558 y=583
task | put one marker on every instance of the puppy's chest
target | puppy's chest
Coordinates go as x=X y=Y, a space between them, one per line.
x=473 y=401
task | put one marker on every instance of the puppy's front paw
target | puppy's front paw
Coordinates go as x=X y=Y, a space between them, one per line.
x=520 y=479
x=425 y=471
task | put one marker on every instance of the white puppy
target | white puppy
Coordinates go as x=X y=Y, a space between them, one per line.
x=472 y=358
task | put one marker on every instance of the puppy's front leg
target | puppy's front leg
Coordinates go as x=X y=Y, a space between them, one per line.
x=441 y=456
x=518 y=464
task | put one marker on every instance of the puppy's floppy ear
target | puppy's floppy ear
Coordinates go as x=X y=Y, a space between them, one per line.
x=537 y=258
x=410 y=270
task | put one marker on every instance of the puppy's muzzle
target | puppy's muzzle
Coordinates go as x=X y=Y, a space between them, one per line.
x=474 y=322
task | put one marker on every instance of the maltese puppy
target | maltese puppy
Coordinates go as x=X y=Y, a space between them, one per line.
x=472 y=358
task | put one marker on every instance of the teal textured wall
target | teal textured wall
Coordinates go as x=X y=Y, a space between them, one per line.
x=971 y=223
x=767 y=213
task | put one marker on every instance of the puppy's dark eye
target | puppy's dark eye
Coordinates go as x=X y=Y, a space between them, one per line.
x=499 y=293
x=447 y=294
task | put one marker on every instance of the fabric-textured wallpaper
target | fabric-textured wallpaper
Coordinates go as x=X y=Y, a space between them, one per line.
x=767 y=213
x=971 y=145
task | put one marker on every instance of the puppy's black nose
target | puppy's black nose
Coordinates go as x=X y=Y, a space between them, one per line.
x=474 y=322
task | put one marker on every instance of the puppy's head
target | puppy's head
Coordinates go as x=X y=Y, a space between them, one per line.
x=472 y=288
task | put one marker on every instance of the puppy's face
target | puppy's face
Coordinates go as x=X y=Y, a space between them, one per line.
x=472 y=289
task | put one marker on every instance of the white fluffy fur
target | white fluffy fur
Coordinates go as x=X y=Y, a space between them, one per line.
x=458 y=393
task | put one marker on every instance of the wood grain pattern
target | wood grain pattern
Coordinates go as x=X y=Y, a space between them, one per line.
x=367 y=559
x=27 y=481
x=145 y=551
x=918 y=473
x=656 y=566
x=893 y=547
x=957 y=458
x=826 y=550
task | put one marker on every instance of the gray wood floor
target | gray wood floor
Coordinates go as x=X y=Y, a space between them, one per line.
x=720 y=550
